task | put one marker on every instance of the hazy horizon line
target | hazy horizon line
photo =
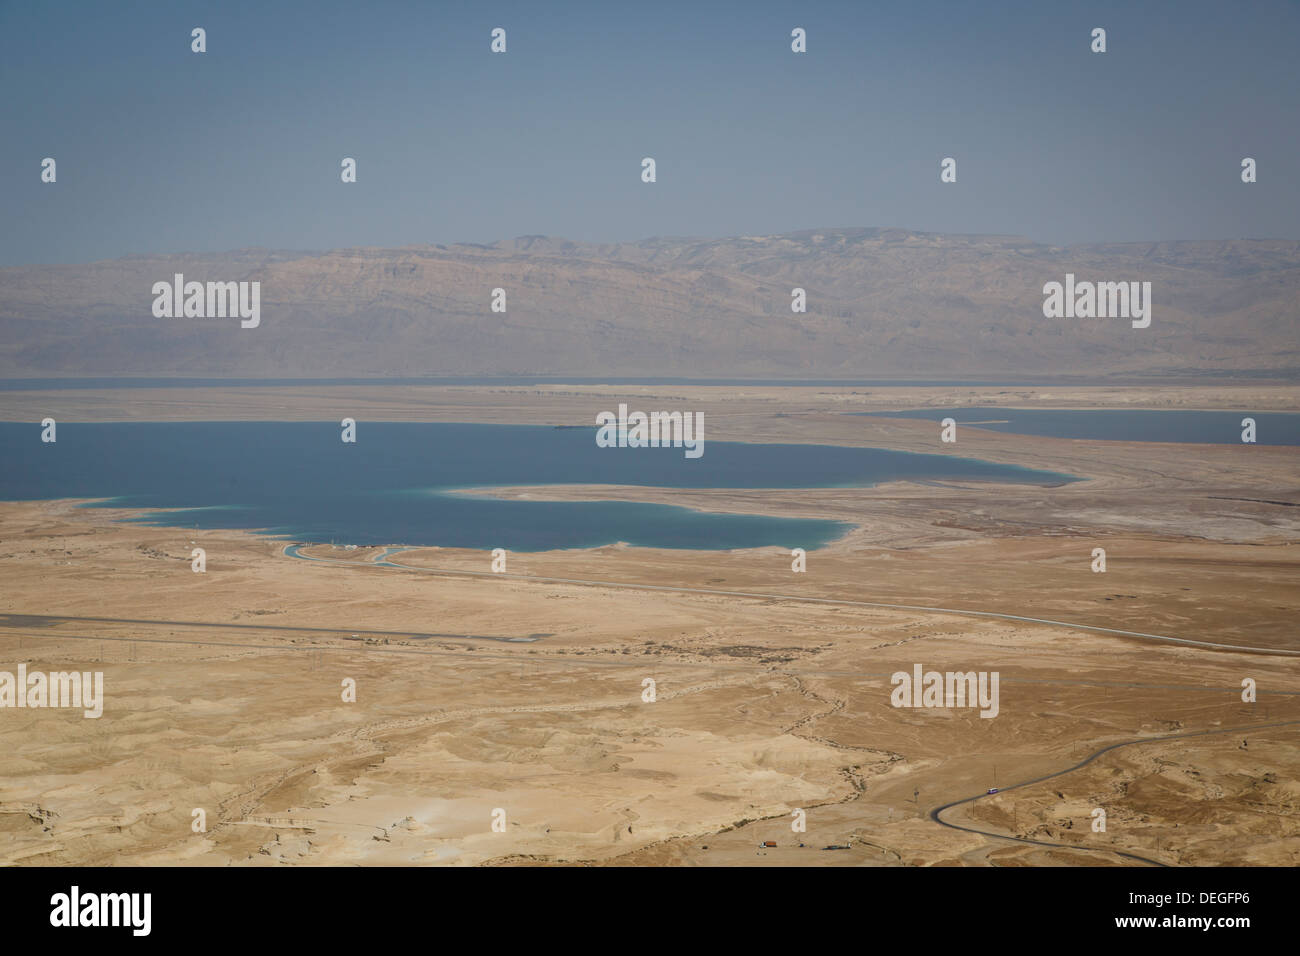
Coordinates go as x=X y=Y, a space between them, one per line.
x=324 y=251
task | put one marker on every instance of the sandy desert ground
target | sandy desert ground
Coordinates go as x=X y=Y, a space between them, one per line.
x=478 y=692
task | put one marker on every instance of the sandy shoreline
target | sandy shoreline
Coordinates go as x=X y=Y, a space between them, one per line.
x=730 y=410
x=217 y=700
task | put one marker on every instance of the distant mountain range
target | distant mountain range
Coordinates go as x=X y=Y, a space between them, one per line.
x=881 y=303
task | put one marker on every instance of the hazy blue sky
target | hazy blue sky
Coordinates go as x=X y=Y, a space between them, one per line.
x=164 y=150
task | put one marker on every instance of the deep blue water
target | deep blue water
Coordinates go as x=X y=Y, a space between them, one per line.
x=299 y=481
x=1120 y=424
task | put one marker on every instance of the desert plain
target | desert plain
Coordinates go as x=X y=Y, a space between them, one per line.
x=519 y=699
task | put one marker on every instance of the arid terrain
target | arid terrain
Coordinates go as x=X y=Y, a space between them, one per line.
x=880 y=304
x=522 y=692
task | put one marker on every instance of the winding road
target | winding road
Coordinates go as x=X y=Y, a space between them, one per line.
x=381 y=560
x=936 y=813
x=23 y=622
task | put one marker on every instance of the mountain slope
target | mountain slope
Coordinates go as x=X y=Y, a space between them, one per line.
x=882 y=303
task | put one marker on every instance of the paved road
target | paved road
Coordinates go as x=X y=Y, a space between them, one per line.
x=937 y=813
x=40 y=627
x=381 y=560
x=17 y=620
x=24 y=621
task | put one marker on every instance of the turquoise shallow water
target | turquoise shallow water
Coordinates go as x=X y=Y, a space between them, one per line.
x=396 y=485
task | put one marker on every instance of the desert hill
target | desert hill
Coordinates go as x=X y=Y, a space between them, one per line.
x=882 y=303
